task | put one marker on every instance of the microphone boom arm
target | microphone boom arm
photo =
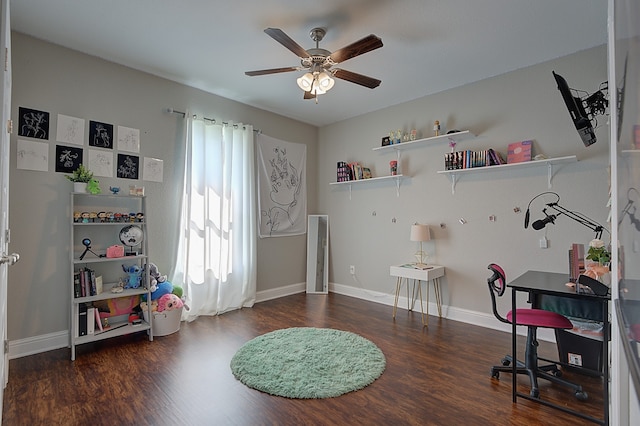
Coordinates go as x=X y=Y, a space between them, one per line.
x=578 y=218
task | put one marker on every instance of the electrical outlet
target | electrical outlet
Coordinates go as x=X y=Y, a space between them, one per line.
x=544 y=243
x=352 y=270
x=575 y=359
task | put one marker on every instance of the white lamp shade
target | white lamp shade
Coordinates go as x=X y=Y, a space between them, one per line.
x=325 y=81
x=306 y=81
x=316 y=89
x=420 y=232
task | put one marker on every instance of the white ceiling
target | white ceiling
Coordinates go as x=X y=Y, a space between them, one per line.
x=429 y=45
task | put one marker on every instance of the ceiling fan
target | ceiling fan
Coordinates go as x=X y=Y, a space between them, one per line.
x=319 y=63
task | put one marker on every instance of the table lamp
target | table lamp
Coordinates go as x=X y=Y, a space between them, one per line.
x=420 y=233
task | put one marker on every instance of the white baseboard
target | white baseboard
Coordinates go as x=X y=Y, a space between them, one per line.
x=263 y=296
x=456 y=314
x=38 y=344
x=60 y=339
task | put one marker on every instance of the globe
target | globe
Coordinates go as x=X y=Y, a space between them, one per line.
x=131 y=235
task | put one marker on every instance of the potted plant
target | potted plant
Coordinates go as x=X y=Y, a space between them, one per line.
x=598 y=261
x=80 y=178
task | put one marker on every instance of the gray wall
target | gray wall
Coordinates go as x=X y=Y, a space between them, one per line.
x=520 y=105
x=54 y=79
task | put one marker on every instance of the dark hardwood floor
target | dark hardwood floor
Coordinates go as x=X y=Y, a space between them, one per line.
x=434 y=376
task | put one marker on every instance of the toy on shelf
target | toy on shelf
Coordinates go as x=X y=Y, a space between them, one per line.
x=134 y=278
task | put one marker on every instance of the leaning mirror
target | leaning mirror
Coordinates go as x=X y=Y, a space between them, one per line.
x=318 y=254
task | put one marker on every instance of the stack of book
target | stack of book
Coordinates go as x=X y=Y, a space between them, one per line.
x=85 y=283
x=469 y=159
x=352 y=171
x=89 y=321
x=344 y=172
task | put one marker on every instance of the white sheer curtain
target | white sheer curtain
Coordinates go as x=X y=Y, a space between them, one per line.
x=216 y=262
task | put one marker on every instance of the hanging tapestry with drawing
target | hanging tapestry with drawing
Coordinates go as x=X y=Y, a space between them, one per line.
x=282 y=194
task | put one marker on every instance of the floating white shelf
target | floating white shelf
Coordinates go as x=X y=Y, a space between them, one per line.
x=549 y=162
x=456 y=137
x=397 y=178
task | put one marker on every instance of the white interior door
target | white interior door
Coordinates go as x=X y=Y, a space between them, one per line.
x=5 y=260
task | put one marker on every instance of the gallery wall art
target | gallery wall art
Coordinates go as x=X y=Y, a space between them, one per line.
x=72 y=135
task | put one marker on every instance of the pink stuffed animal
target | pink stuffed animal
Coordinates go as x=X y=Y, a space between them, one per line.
x=169 y=302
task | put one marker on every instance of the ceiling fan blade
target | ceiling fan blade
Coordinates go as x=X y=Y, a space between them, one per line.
x=271 y=71
x=356 y=78
x=278 y=35
x=367 y=44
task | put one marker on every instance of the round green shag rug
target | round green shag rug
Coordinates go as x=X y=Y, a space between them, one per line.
x=308 y=362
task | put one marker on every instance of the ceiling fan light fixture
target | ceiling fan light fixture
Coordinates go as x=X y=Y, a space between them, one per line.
x=325 y=81
x=317 y=90
x=306 y=82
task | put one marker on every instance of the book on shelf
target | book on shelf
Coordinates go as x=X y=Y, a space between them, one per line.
x=496 y=157
x=519 y=152
x=77 y=291
x=466 y=159
x=91 y=320
x=86 y=283
x=82 y=320
x=98 y=320
x=92 y=281
x=99 y=285
x=83 y=288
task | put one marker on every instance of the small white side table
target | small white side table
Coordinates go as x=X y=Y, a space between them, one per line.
x=432 y=274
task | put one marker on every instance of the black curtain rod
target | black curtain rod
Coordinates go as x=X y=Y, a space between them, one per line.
x=213 y=120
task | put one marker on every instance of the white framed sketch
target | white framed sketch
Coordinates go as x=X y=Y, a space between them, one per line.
x=101 y=162
x=32 y=155
x=70 y=130
x=128 y=139
x=152 y=169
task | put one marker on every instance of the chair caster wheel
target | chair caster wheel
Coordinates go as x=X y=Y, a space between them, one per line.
x=535 y=393
x=506 y=362
x=495 y=374
x=581 y=395
x=557 y=373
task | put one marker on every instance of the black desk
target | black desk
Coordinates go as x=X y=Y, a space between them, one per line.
x=540 y=283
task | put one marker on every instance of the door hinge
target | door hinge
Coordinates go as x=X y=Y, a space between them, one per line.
x=7 y=236
x=10 y=126
x=6 y=346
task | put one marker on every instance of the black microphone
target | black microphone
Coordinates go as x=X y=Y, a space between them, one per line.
x=541 y=223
